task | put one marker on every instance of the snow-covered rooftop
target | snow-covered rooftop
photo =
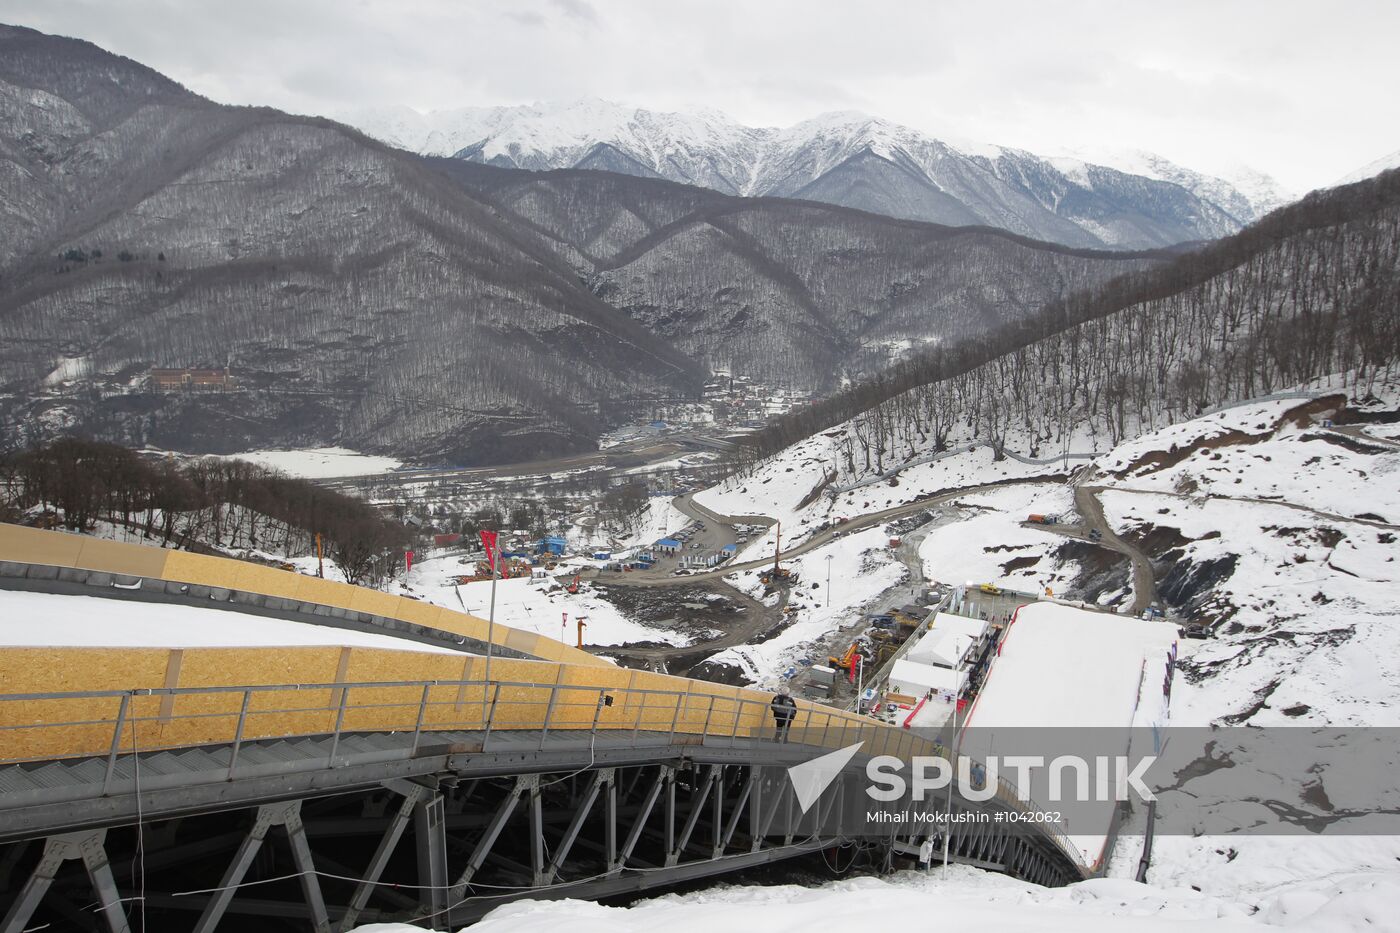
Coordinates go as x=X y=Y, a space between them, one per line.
x=1062 y=666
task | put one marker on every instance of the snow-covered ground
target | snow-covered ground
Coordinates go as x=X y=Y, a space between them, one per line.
x=658 y=520
x=532 y=605
x=990 y=546
x=44 y=619
x=861 y=568
x=965 y=898
x=1290 y=528
x=1311 y=604
x=321 y=462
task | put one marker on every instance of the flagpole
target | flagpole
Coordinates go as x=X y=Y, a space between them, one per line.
x=491 y=617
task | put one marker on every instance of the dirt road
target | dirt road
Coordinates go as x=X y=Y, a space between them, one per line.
x=1086 y=501
x=860 y=523
x=1316 y=513
x=757 y=619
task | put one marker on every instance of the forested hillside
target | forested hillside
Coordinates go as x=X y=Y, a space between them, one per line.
x=789 y=291
x=1310 y=292
x=366 y=297
x=359 y=295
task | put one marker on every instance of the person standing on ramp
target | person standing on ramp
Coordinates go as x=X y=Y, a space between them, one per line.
x=784 y=711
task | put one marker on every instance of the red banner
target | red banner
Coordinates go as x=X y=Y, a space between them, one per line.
x=488 y=541
x=407 y=561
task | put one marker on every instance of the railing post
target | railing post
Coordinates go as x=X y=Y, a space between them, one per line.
x=734 y=732
x=676 y=715
x=641 y=711
x=116 y=743
x=490 y=714
x=339 y=722
x=548 y=713
x=418 y=725
x=705 y=730
x=238 y=733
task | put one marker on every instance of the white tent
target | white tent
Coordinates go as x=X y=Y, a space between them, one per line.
x=948 y=641
x=913 y=679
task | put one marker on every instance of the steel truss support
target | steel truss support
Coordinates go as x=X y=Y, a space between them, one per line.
x=430 y=835
x=665 y=780
x=488 y=838
x=288 y=816
x=87 y=846
x=697 y=806
x=746 y=799
x=603 y=780
x=412 y=795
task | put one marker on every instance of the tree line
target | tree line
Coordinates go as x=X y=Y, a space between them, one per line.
x=1309 y=291
x=221 y=504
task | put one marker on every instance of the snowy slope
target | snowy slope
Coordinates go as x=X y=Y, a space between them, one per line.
x=33 y=619
x=321 y=462
x=965 y=898
x=1246 y=193
x=531 y=605
x=1371 y=169
x=851 y=159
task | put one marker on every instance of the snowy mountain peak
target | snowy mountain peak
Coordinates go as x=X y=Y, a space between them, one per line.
x=855 y=160
x=1371 y=169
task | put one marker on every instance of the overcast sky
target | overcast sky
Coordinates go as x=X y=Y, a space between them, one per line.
x=1306 y=91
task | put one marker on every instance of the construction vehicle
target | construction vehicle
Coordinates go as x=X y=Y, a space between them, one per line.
x=991 y=589
x=779 y=573
x=573 y=587
x=844 y=662
x=1038 y=519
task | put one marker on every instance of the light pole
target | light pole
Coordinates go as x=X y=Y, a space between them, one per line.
x=957 y=744
x=828 y=580
x=860 y=683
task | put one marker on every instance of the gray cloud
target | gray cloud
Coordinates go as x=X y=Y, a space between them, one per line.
x=1291 y=87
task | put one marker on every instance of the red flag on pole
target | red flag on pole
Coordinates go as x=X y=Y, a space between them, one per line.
x=407 y=561
x=488 y=541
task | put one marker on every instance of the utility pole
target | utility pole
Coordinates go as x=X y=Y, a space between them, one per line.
x=828 y=580
x=491 y=542
x=860 y=682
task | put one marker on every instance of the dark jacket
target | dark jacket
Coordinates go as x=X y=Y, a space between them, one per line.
x=784 y=708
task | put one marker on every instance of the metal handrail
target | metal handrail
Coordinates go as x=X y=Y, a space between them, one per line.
x=553 y=699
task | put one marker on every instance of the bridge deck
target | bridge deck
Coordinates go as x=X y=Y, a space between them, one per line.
x=637 y=768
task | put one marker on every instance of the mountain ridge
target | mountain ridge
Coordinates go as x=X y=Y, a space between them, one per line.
x=854 y=160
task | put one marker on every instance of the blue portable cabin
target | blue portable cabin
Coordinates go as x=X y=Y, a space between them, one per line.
x=668 y=545
x=551 y=544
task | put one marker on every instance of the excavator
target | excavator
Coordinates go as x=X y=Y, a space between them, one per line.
x=844 y=662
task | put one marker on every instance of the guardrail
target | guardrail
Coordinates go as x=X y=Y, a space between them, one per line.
x=138 y=562
x=112 y=723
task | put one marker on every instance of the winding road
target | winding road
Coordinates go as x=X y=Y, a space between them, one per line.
x=1086 y=501
x=870 y=519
